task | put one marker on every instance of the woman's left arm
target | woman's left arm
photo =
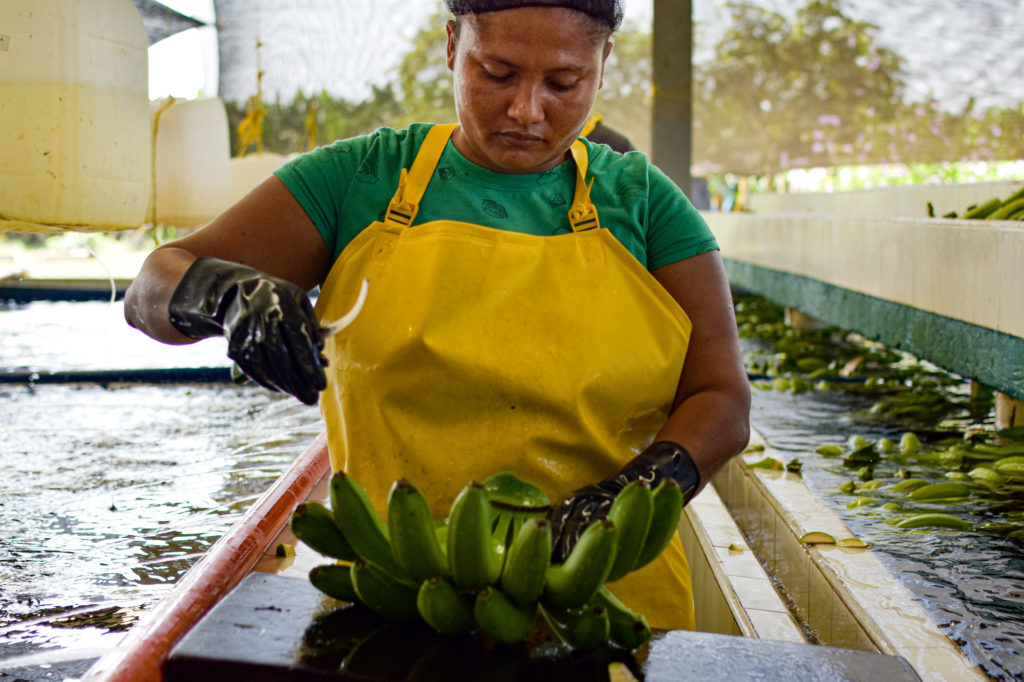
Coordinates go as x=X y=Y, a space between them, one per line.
x=712 y=408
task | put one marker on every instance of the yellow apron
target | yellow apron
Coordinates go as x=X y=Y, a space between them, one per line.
x=480 y=350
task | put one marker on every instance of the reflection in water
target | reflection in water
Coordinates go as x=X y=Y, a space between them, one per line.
x=970 y=582
x=111 y=493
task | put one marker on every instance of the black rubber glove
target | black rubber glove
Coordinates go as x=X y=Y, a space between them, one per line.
x=272 y=333
x=661 y=460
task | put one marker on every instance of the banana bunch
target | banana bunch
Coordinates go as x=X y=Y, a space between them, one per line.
x=487 y=567
x=1010 y=208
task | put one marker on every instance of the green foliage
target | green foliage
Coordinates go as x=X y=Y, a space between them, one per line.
x=780 y=94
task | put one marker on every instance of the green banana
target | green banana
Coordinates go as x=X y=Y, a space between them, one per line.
x=908 y=484
x=935 y=521
x=412 y=532
x=313 y=523
x=981 y=211
x=573 y=583
x=383 y=593
x=631 y=512
x=941 y=491
x=500 y=618
x=626 y=627
x=583 y=628
x=334 y=580
x=443 y=608
x=1007 y=209
x=501 y=537
x=360 y=522
x=668 y=507
x=472 y=558
x=528 y=559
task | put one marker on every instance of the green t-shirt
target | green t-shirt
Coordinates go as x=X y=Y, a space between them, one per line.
x=346 y=186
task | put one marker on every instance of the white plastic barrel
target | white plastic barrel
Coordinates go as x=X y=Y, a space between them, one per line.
x=249 y=171
x=191 y=161
x=74 y=113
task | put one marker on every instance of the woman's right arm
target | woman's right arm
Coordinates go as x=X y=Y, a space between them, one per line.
x=267 y=230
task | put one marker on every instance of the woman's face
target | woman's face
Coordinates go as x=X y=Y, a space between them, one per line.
x=525 y=82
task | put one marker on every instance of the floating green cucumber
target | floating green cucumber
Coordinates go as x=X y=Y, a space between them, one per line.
x=892 y=506
x=848 y=487
x=957 y=476
x=886 y=445
x=935 y=521
x=941 y=491
x=873 y=484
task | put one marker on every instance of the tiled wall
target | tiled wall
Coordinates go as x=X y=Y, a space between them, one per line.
x=846 y=595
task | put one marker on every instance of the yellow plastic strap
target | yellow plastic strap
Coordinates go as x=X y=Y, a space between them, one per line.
x=412 y=183
x=590 y=125
x=583 y=213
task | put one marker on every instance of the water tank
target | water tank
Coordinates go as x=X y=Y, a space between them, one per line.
x=74 y=114
x=249 y=171
x=191 y=162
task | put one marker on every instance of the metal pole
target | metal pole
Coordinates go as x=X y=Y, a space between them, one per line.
x=672 y=110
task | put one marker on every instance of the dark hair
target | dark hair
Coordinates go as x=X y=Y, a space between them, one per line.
x=607 y=11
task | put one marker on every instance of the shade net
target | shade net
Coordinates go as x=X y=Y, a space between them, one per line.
x=777 y=85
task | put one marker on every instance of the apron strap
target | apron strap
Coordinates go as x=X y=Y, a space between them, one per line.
x=413 y=183
x=583 y=213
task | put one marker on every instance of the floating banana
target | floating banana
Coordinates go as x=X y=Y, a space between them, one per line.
x=527 y=563
x=443 y=608
x=908 y=484
x=935 y=521
x=574 y=582
x=313 y=523
x=361 y=524
x=631 y=512
x=668 y=507
x=411 y=529
x=941 y=491
x=382 y=593
x=502 y=619
x=472 y=558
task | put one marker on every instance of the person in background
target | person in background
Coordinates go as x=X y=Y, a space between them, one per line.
x=598 y=132
x=536 y=303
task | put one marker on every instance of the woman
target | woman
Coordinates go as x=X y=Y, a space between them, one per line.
x=526 y=293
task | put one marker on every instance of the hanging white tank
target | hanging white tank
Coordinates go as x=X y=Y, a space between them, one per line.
x=74 y=115
x=191 y=162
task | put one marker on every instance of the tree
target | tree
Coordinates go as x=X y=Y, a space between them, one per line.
x=781 y=94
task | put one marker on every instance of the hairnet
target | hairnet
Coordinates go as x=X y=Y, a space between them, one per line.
x=607 y=11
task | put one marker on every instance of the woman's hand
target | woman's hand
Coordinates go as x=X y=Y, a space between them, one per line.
x=244 y=276
x=659 y=461
x=272 y=333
